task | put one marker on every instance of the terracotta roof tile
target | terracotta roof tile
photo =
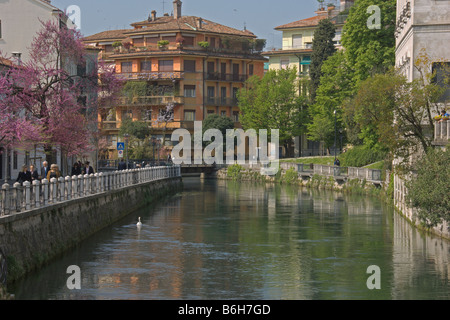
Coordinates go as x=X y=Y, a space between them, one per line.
x=187 y=23
x=107 y=35
x=5 y=62
x=308 y=22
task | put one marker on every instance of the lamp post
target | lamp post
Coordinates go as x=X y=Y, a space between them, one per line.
x=126 y=136
x=335 y=134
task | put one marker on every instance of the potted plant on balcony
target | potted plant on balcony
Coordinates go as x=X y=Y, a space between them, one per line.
x=179 y=41
x=162 y=44
x=117 y=46
x=204 y=44
x=127 y=45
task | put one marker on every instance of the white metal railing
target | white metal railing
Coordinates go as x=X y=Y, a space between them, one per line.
x=20 y=198
x=348 y=172
x=442 y=131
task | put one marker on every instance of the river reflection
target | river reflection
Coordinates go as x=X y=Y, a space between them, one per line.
x=227 y=240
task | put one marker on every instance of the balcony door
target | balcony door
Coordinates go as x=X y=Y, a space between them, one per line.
x=223 y=71
x=235 y=72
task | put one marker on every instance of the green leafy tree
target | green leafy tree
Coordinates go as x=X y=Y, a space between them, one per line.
x=273 y=102
x=215 y=121
x=428 y=189
x=138 y=132
x=323 y=47
x=336 y=85
x=370 y=50
x=396 y=114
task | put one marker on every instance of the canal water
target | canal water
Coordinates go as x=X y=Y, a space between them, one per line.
x=222 y=240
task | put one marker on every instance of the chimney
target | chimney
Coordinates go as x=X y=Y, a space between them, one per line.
x=177 y=9
x=154 y=15
x=199 y=22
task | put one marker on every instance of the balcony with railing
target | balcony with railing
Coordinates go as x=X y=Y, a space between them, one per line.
x=221 y=102
x=151 y=76
x=442 y=133
x=229 y=77
x=149 y=101
x=306 y=48
x=110 y=125
x=152 y=50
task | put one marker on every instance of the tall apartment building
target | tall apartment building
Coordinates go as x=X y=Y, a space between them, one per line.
x=194 y=63
x=297 y=50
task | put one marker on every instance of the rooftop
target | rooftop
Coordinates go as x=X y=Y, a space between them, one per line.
x=333 y=15
x=167 y=24
x=186 y=23
x=108 y=35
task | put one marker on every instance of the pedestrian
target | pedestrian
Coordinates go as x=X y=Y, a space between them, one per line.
x=337 y=163
x=54 y=172
x=24 y=175
x=44 y=170
x=88 y=169
x=76 y=170
x=34 y=173
x=122 y=165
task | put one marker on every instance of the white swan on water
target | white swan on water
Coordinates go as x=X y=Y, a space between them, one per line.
x=139 y=224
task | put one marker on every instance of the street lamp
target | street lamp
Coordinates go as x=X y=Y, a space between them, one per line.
x=335 y=134
x=126 y=136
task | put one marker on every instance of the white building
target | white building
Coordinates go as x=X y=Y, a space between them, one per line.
x=423 y=26
x=20 y=20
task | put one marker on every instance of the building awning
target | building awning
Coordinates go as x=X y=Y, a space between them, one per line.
x=306 y=61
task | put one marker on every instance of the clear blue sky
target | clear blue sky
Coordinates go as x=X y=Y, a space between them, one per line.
x=260 y=16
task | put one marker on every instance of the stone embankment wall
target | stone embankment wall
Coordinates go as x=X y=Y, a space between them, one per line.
x=321 y=177
x=32 y=238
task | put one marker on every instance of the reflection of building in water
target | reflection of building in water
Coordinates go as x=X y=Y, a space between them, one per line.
x=412 y=254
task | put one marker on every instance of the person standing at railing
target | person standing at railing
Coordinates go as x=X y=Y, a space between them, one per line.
x=88 y=169
x=44 y=170
x=34 y=173
x=54 y=172
x=122 y=165
x=76 y=170
x=24 y=175
x=337 y=163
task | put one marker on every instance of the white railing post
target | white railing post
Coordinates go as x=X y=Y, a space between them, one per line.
x=447 y=137
x=53 y=183
x=86 y=185
x=27 y=185
x=62 y=189
x=117 y=175
x=81 y=186
x=100 y=182
x=74 y=187
x=5 y=194
x=91 y=184
x=16 y=202
x=437 y=130
x=68 y=191
x=36 y=188
x=22 y=197
x=107 y=181
x=45 y=185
